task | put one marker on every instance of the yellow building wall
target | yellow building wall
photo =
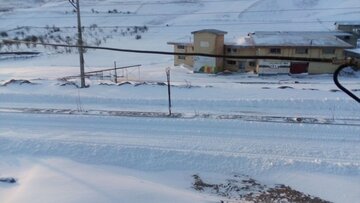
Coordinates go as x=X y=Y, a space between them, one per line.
x=314 y=67
x=189 y=61
x=312 y=53
x=219 y=49
x=321 y=68
x=201 y=39
x=209 y=43
x=240 y=51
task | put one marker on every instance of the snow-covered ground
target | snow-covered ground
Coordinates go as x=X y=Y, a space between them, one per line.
x=65 y=144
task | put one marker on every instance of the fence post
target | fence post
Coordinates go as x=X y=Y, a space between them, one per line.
x=169 y=92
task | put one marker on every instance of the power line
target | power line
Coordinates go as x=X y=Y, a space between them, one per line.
x=178 y=53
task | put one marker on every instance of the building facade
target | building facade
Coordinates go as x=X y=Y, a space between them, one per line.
x=183 y=47
x=352 y=28
x=316 y=45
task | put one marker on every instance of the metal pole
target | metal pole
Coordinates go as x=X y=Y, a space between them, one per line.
x=115 y=72
x=80 y=43
x=139 y=72
x=169 y=92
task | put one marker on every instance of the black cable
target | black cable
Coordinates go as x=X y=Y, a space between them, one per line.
x=178 y=53
x=340 y=86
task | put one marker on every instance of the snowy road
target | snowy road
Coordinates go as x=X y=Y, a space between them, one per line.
x=210 y=145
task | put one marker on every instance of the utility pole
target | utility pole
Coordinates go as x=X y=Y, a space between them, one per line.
x=169 y=92
x=76 y=5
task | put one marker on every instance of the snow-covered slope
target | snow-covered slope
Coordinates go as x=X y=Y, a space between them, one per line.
x=165 y=20
x=295 y=130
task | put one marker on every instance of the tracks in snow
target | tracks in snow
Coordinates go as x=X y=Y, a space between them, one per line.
x=154 y=143
x=244 y=116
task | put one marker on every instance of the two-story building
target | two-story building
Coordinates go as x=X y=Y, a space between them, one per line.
x=319 y=45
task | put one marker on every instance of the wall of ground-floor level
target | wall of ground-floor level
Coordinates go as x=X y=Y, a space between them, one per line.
x=321 y=68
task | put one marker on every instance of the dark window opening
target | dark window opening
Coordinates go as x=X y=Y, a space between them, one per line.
x=231 y=62
x=275 y=51
x=181 y=57
x=301 y=51
x=328 y=51
x=181 y=47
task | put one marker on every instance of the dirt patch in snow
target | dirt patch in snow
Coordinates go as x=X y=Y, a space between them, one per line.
x=243 y=188
x=312 y=89
x=136 y=84
x=17 y=82
x=69 y=83
x=8 y=180
x=285 y=87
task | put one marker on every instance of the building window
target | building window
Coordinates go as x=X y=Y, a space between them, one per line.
x=204 y=44
x=234 y=50
x=301 y=50
x=180 y=46
x=328 y=51
x=252 y=63
x=228 y=50
x=231 y=62
x=275 y=51
x=181 y=57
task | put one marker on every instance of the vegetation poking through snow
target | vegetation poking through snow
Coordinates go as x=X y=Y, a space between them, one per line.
x=244 y=188
x=3 y=34
x=18 y=82
x=93 y=35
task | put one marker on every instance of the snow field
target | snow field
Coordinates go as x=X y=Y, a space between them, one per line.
x=187 y=144
x=78 y=158
x=69 y=181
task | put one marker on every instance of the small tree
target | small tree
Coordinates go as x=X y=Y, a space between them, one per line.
x=4 y=34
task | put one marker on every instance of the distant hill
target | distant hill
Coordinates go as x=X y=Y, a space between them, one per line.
x=140 y=24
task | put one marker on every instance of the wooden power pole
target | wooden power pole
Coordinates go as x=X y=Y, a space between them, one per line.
x=80 y=41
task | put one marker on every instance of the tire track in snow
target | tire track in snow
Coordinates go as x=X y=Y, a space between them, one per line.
x=161 y=143
x=321 y=120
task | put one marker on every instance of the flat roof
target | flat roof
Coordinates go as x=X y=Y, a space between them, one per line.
x=181 y=43
x=307 y=33
x=301 y=39
x=213 y=31
x=353 y=51
x=347 y=23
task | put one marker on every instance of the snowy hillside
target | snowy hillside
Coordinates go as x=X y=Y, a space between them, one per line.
x=231 y=137
x=108 y=23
